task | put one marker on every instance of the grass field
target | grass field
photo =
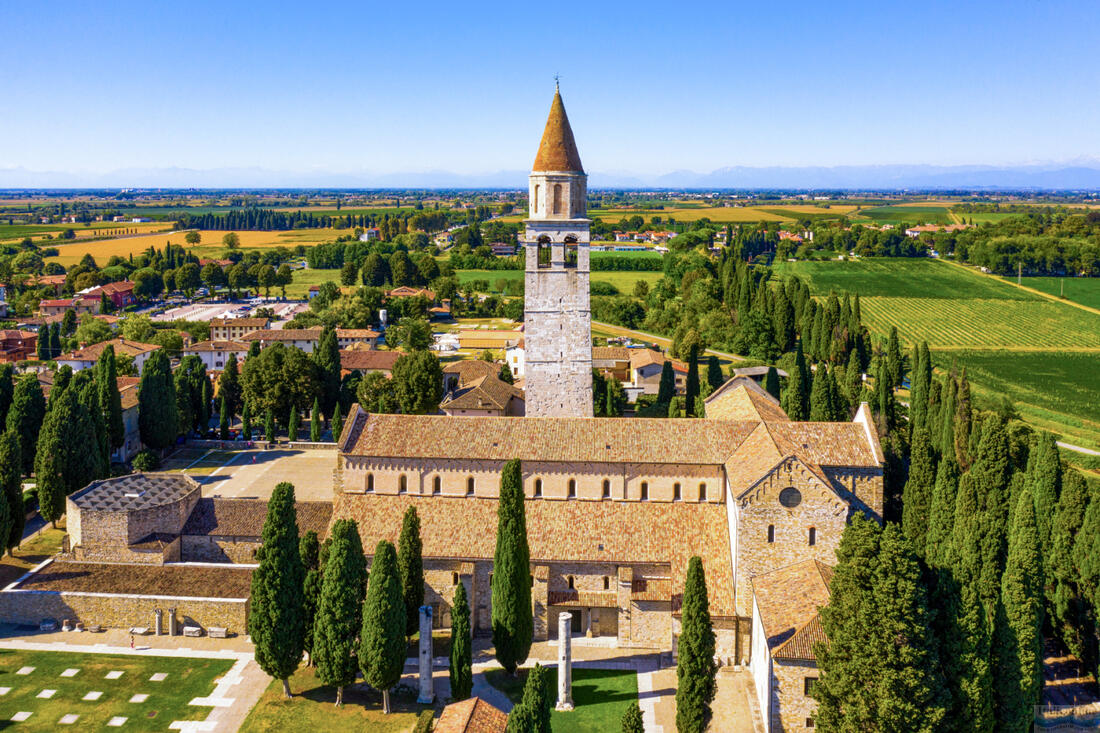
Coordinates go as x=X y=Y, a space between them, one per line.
x=303 y=279
x=33 y=551
x=1083 y=290
x=718 y=214
x=95 y=229
x=312 y=709
x=167 y=700
x=623 y=280
x=600 y=697
x=209 y=246
x=914 y=214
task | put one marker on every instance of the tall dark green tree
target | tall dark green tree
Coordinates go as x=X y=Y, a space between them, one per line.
x=532 y=714
x=1044 y=479
x=461 y=660
x=67 y=454
x=28 y=409
x=269 y=426
x=107 y=378
x=223 y=418
x=340 y=612
x=55 y=340
x=796 y=397
x=513 y=624
x=7 y=512
x=11 y=484
x=1069 y=610
x=692 y=384
x=920 y=387
x=327 y=358
x=309 y=550
x=632 y=719
x=941 y=514
x=666 y=389
x=410 y=563
x=246 y=422
x=158 y=420
x=715 y=378
x=945 y=441
x=42 y=344
x=1086 y=556
x=696 y=672
x=964 y=417
x=418 y=382
x=229 y=384
x=315 y=422
x=382 y=638
x=895 y=362
x=276 y=613
x=337 y=423
x=771 y=382
x=292 y=424
x=7 y=391
x=1018 y=652
x=918 y=494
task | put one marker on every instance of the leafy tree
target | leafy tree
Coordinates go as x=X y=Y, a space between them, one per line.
x=632 y=718
x=771 y=382
x=193 y=237
x=382 y=645
x=276 y=615
x=1018 y=652
x=461 y=673
x=692 y=384
x=231 y=240
x=11 y=485
x=417 y=382
x=412 y=334
x=666 y=389
x=348 y=273
x=281 y=378
x=410 y=562
x=28 y=409
x=223 y=419
x=505 y=374
x=107 y=380
x=157 y=415
x=796 y=398
x=229 y=384
x=339 y=613
x=246 y=422
x=695 y=669
x=375 y=393
x=532 y=715
x=327 y=358
x=513 y=625
x=675 y=409
x=918 y=494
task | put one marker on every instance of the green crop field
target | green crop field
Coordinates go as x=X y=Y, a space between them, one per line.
x=908 y=214
x=899 y=277
x=1083 y=290
x=622 y=280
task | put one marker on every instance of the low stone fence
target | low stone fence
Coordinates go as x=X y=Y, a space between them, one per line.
x=306 y=445
x=231 y=444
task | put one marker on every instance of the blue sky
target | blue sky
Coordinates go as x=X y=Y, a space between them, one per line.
x=465 y=87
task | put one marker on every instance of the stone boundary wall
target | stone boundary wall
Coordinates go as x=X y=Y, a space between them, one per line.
x=113 y=610
x=228 y=444
x=307 y=445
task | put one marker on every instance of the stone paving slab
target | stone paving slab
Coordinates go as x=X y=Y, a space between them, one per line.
x=159 y=677
x=46 y=694
x=70 y=672
x=93 y=695
x=117 y=721
x=69 y=719
x=21 y=716
x=25 y=670
x=4 y=690
x=140 y=697
x=113 y=675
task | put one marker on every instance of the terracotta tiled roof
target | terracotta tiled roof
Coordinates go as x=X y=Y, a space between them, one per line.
x=484 y=393
x=742 y=398
x=788 y=600
x=586 y=598
x=562 y=531
x=644 y=357
x=219 y=345
x=206 y=581
x=369 y=360
x=253 y=323
x=128 y=389
x=404 y=291
x=122 y=346
x=245 y=517
x=558 y=149
x=469 y=370
x=611 y=353
x=825 y=443
x=284 y=334
x=123 y=286
x=50 y=280
x=59 y=303
x=651 y=589
x=356 y=333
x=473 y=715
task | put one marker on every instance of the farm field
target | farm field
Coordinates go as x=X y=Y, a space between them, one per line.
x=15 y=232
x=209 y=246
x=718 y=214
x=166 y=701
x=912 y=214
x=1083 y=290
x=622 y=280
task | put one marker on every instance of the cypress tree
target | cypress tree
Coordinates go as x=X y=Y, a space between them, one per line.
x=42 y=344
x=229 y=384
x=1044 y=478
x=941 y=515
x=692 y=384
x=223 y=419
x=1086 y=556
x=269 y=426
x=107 y=379
x=963 y=419
x=340 y=611
x=461 y=672
x=7 y=392
x=28 y=409
x=309 y=550
x=532 y=715
x=819 y=397
x=666 y=390
x=674 y=408
x=206 y=396
x=253 y=349
x=276 y=616
x=337 y=423
x=771 y=382
x=796 y=398
x=1019 y=654
x=11 y=484
x=513 y=625
x=158 y=419
x=895 y=363
x=853 y=379
x=1069 y=616
x=89 y=396
x=945 y=442
x=714 y=374
x=315 y=422
x=632 y=719
x=61 y=379
x=695 y=669
x=55 y=340
x=917 y=496
x=8 y=510
x=990 y=474
x=246 y=422
x=920 y=387
x=293 y=422
x=410 y=562
x=382 y=638
x=327 y=358
x=838 y=404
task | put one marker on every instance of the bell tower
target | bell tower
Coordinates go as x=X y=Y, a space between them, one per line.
x=557 y=313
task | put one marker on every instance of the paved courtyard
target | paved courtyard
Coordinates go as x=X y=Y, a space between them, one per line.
x=253 y=474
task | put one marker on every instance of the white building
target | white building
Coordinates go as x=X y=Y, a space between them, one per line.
x=215 y=353
x=86 y=357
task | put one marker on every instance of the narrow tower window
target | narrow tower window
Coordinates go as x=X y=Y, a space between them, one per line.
x=538 y=488
x=771 y=533
x=813 y=535
x=437 y=485
x=570 y=582
x=557 y=198
x=676 y=492
x=606 y=489
x=403 y=485
x=645 y=491
x=535 y=201
x=572 y=488
x=702 y=492
x=470 y=486
x=370 y=482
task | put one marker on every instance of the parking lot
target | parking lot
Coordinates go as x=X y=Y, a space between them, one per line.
x=283 y=309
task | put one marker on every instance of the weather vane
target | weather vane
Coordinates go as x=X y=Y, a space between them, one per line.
x=556 y=78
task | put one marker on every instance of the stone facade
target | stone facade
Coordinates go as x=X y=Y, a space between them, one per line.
x=116 y=611
x=212 y=548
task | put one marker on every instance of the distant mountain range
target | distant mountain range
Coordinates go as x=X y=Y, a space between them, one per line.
x=1074 y=176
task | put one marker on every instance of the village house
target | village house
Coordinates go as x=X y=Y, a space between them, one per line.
x=233 y=329
x=303 y=338
x=404 y=291
x=215 y=353
x=80 y=304
x=348 y=337
x=131 y=442
x=364 y=361
x=86 y=356
x=16 y=345
x=121 y=294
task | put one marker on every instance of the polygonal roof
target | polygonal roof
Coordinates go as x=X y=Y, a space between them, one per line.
x=558 y=149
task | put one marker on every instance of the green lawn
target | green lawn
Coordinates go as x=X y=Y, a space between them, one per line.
x=312 y=709
x=302 y=279
x=1083 y=290
x=600 y=697
x=167 y=700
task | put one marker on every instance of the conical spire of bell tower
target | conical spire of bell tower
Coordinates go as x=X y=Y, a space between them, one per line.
x=558 y=149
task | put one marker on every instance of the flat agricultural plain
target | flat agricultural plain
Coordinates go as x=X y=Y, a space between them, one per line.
x=1082 y=290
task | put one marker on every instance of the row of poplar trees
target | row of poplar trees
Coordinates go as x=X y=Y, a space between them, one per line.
x=936 y=621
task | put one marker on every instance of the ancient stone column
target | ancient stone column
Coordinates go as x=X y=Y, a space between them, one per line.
x=565 y=661
x=158 y=622
x=171 y=622
x=427 y=689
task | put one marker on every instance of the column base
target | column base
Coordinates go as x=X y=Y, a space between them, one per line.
x=425 y=700
x=564 y=706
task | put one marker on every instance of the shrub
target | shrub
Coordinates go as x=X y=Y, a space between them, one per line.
x=147 y=460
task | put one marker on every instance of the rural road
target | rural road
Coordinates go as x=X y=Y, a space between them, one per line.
x=1078 y=449
x=659 y=340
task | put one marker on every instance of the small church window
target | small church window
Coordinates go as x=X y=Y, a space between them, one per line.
x=538 y=488
x=370 y=482
x=403 y=485
x=676 y=492
x=606 y=583
x=437 y=485
x=557 y=198
x=470 y=486
x=570 y=582
x=813 y=535
x=790 y=497
x=702 y=492
x=645 y=491
x=454 y=578
x=606 y=489
x=771 y=533
x=572 y=488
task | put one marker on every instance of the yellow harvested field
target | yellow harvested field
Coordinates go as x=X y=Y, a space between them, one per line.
x=210 y=244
